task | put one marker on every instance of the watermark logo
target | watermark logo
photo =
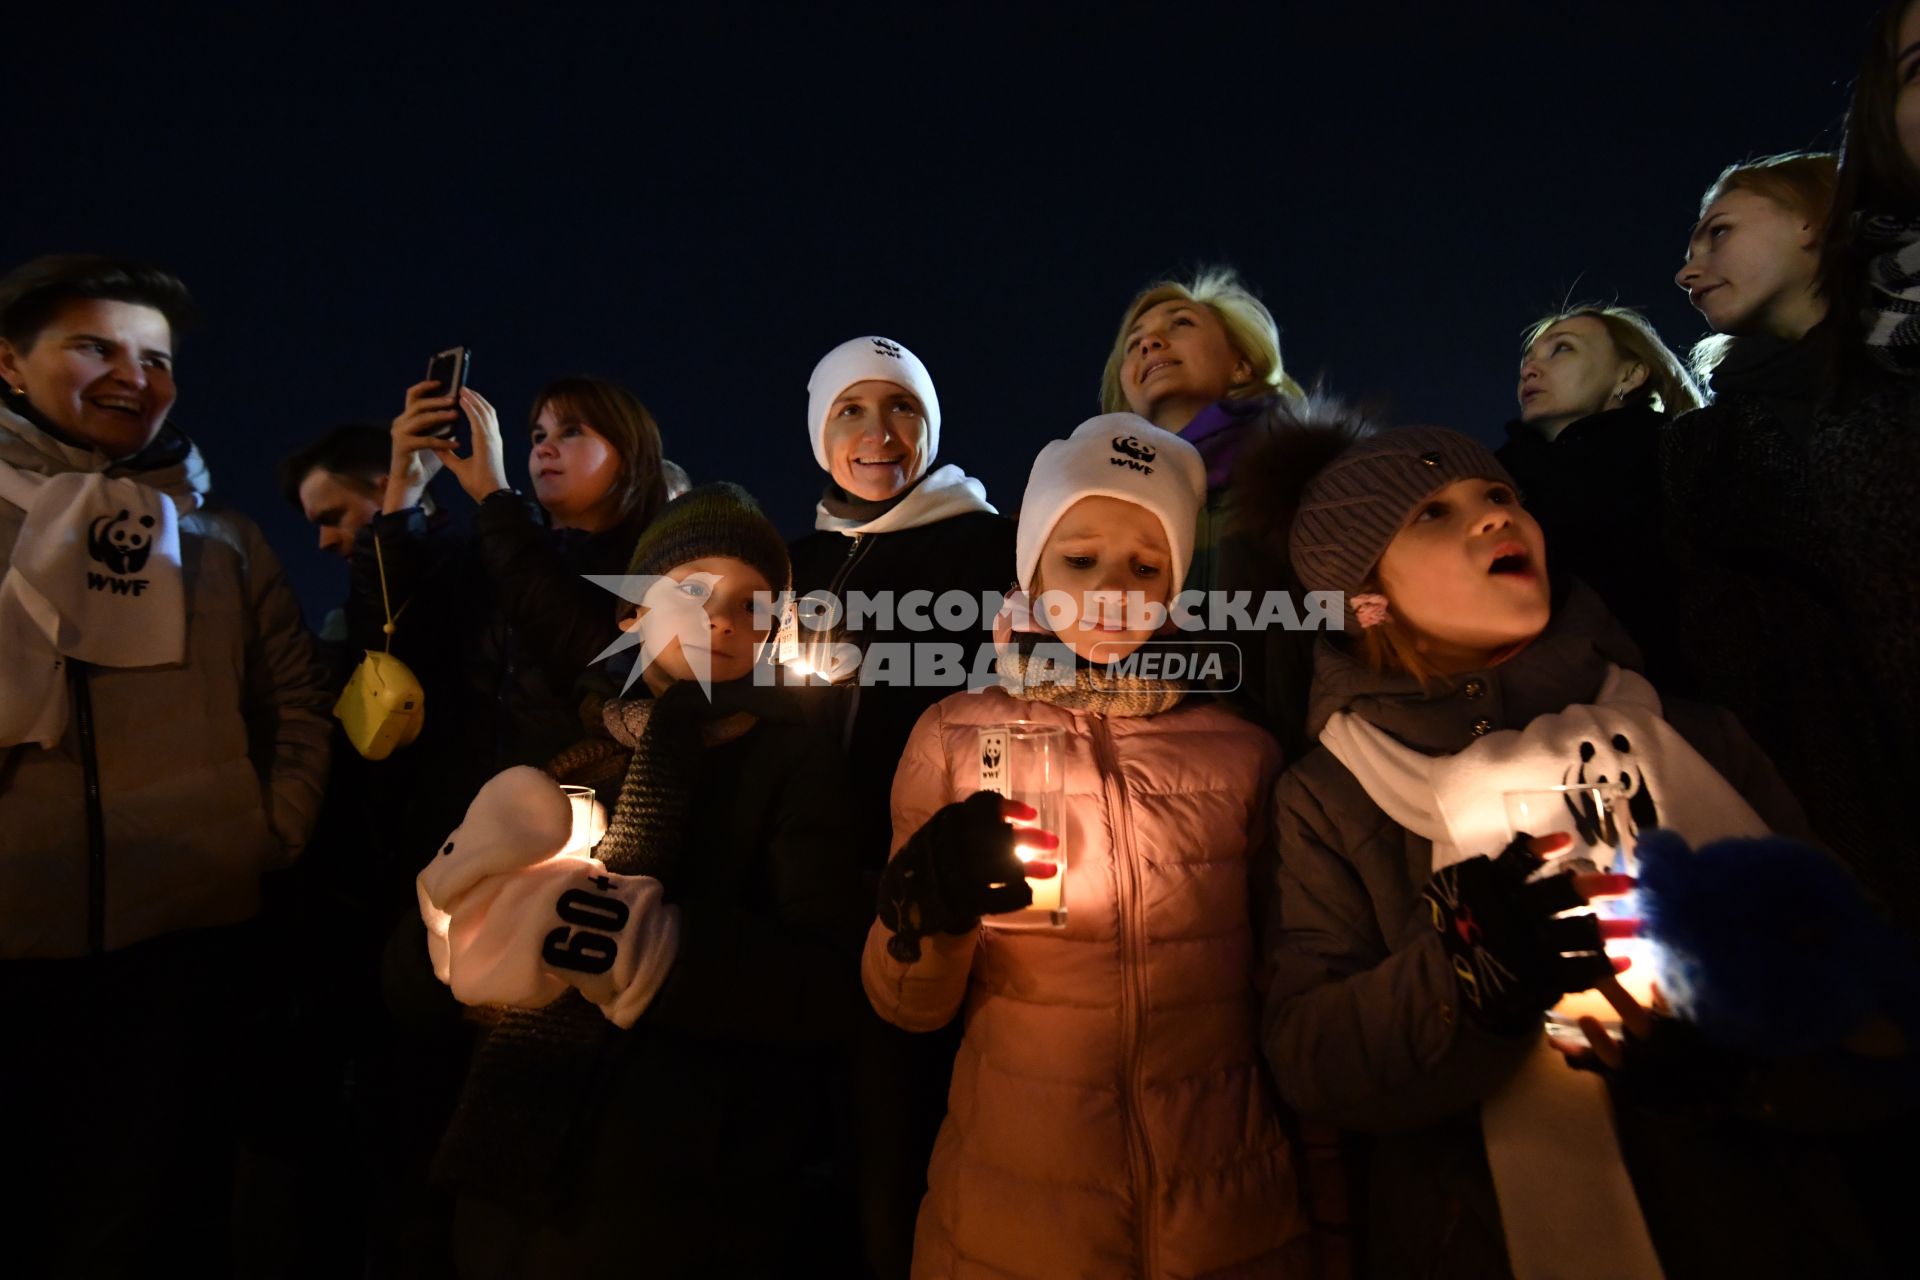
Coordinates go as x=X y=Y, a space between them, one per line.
x=924 y=640
x=670 y=610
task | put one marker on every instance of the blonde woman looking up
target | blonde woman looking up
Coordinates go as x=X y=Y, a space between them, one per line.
x=1596 y=387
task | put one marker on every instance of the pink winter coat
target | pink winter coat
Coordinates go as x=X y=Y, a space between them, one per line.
x=1107 y=1115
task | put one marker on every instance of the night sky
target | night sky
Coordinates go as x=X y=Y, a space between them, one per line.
x=701 y=207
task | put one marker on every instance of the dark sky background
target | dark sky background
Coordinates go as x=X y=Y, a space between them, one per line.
x=700 y=206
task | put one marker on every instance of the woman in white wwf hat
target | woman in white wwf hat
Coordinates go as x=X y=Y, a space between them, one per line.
x=1108 y=1115
x=890 y=523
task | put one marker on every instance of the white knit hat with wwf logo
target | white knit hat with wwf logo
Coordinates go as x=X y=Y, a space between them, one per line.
x=869 y=359
x=1116 y=455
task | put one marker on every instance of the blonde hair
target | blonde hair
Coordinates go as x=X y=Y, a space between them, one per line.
x=1801 y=182
x=1249 y=325
x=1669 y=388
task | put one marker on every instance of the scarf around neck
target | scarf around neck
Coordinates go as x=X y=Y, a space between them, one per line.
x=1036 y=666
x=941 y=494
x=1890 y=317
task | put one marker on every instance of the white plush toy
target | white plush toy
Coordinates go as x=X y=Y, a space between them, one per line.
x=517 y=909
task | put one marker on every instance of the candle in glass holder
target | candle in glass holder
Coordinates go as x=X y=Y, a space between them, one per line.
x=1025 y=761
x=1596 y=818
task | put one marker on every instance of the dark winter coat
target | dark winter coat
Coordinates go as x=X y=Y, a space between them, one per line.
x=898 y=1082
x=1274 y=667
x=1863 y=478
x=1773 y=561
x=499 y=627
x=1595 y=489
x=695 y=1159
x=970 y=553
x=1363 y=1026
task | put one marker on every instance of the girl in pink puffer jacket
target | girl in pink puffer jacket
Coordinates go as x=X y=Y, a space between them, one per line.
x=1107 y=1115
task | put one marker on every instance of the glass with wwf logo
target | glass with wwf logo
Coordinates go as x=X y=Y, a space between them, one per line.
x=1599 y=819
x=1027 y=762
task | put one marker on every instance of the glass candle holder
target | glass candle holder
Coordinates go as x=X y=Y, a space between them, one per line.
x=1025 y=761
x=1602 y=831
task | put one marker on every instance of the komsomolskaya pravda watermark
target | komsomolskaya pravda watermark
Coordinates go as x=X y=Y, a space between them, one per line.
x=808 y=634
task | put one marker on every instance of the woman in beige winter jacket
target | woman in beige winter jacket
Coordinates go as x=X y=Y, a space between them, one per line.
x=1107 y=1115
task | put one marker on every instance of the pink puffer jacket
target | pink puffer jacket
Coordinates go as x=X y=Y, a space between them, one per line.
x=1107 y=1115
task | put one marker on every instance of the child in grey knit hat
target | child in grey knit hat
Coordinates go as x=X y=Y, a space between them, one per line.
x=1414 y=949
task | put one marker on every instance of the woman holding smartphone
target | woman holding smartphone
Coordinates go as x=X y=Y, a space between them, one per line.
x=498 y=624
x=594 y=461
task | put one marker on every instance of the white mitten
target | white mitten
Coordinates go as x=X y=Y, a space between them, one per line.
x=519 y=818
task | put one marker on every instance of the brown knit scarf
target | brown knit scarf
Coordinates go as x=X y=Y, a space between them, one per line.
x=1036 y=673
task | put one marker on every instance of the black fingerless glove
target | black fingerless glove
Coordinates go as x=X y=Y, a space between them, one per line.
x=958 y=867
x=1504 y=941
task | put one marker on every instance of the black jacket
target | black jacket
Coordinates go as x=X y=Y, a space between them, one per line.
x=499 y=627
x=1863 y=477
x=1595 y=489
x=1756 y=565
x=971 y=553
x=693 y=1157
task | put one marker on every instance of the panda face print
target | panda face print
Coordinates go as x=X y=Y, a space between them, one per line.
x=1611 y=762
x=121 y=542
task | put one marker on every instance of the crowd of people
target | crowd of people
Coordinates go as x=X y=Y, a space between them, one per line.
x=649 y=941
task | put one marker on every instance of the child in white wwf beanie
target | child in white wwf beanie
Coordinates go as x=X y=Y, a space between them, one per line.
x=1109 y=512
x=1116 y=455
x=869 y=359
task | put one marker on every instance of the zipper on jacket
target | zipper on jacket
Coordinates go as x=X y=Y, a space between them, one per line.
x=859 y=548
x=82 y=695
x=1133 y=995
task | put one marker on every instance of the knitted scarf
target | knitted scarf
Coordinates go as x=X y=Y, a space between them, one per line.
x=517 y=1130
x=1034 y=666
x=1891 y=316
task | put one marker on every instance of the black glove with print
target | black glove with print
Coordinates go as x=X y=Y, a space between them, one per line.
x=958 y=867
x=1507 y=946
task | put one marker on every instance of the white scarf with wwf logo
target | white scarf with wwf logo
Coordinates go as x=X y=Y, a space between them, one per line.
x=94 y=577
x=1566 y=1203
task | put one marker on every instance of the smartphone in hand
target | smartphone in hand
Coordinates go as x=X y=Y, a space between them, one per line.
x=449 y=369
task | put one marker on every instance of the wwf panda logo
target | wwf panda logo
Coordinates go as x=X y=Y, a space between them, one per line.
x=120 y=542
x=1131 y=446
x=990 y=756
x=885 y=348
x=1609 y=767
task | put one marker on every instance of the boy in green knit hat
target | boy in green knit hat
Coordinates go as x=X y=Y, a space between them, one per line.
x=676 y=987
